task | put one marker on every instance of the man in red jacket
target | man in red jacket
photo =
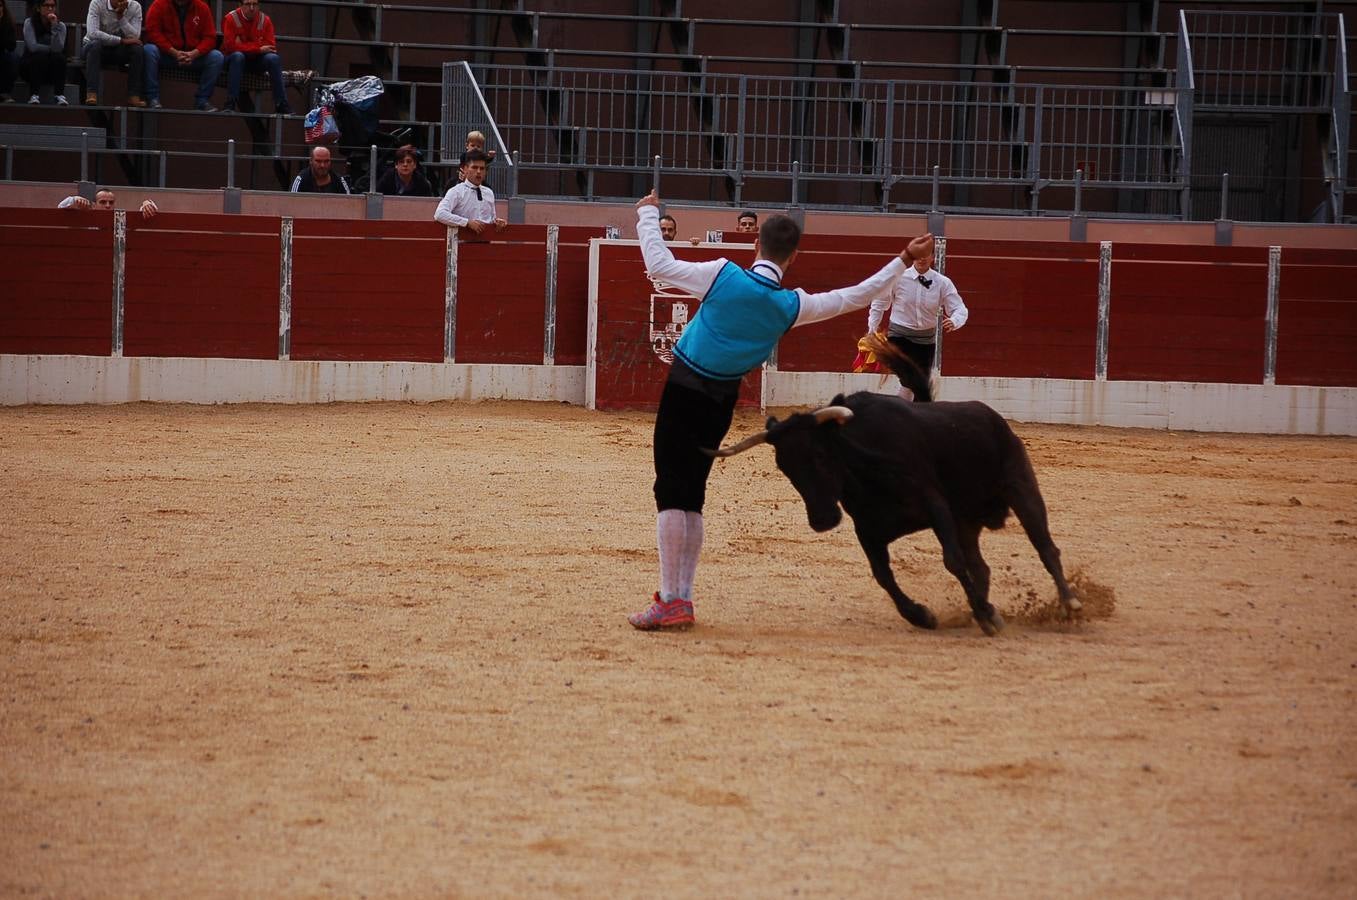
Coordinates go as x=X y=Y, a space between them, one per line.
x=182 y=33
x=249 y=46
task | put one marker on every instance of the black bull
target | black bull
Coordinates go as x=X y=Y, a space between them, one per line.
x=899 y=467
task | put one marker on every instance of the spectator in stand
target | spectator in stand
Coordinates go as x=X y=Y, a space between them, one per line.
x=316 y=178
x=113 y=35
x=475 y=140
x=747 y=222
x=9 y=57
x=404 y=179
x=469 y=204
x=182 y=33
x=250 y=46
x=668 y=227
x=44 y=60
x=106 y=199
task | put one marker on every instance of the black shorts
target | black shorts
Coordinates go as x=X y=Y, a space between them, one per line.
x=688 y=420
x=921 y=354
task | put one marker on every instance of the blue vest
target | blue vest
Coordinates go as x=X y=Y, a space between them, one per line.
x=738 y=324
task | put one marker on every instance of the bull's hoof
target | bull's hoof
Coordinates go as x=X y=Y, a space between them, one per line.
x=1072 y=605
x=921 y=616
x=993 y=625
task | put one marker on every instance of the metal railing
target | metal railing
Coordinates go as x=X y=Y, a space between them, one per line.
x=1261 y=61
x=881 y=132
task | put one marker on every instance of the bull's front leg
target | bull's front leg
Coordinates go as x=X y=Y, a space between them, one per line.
x=960 y=554
x=878 y=555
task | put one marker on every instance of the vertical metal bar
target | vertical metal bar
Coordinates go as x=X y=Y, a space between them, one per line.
x=939 y=263
x=549 y=345
x=119 y=278
x=1274 y=282
x=372 y=168
x=1078 y=190
x=937 y=186
x=164 y=162
x=122 y=128
x=1104 y=309
x=655 y=175
x=285 y=289
x=9 y=163
x=796 y=181
x=740 y=138
x=450 y=300
x=1224 y=195
x=84 y=155
x=231 y=162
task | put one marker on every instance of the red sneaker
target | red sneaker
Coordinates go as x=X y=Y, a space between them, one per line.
x=676 y=615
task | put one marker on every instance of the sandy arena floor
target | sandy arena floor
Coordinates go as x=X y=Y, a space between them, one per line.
x=381 y=650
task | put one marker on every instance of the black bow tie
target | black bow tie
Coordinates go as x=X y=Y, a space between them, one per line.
x=477 y=188
x=925 y=282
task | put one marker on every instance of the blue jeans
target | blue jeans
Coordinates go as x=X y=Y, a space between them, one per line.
x=237 y=64
x=208 y=65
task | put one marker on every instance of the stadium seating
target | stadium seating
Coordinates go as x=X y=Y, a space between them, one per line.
x=1000 y=48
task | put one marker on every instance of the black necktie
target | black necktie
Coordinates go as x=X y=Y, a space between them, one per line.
x=924 y=282
x=478 y=192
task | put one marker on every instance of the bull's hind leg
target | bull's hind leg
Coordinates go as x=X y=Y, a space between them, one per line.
x=1024 y=498
x=968 y=538
x=878 y=555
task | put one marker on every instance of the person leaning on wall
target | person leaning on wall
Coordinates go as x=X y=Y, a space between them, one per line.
x=106 y=199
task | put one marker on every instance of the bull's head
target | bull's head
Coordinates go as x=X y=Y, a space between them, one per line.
x=803 y=449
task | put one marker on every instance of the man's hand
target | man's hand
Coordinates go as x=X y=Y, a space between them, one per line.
x=651 y=199
x=919 y=248
x=948 y=325
x=694 y=241
x=149 y=210
x=131 y=41
x=82 y=203
x=267 y=48
x=501 y=224
x=476 y=226
x=182 y=58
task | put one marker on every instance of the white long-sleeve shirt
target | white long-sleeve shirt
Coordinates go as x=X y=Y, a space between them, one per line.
x=104 y=26
x=696 y=277
x=914 y=307
x=460 y=205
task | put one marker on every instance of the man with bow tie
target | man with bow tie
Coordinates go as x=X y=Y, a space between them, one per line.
x=914 y=303
x=470 y=204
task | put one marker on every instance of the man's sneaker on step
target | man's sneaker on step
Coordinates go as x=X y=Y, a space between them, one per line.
x=675 y=615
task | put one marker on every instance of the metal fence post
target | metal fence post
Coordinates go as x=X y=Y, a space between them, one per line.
x=655 y=175
x=231 y=162
x=285 y=289
x=119 y=278
x=1274 y=282
x=549 y=332
x=1104 y=309
x=939 y=263
x=450 y=299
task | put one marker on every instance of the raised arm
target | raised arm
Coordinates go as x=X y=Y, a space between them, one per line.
x=827 y=305
x=695 y=278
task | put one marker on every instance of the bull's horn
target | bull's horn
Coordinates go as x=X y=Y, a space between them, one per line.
x=752 y=441
x=838 y=414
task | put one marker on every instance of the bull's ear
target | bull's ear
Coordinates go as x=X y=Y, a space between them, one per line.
x=772 y=421
x=837 y=401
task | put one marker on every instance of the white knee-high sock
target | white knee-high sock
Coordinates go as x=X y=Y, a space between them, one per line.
x=906 y=394
x=692 y=549
x=670 y=528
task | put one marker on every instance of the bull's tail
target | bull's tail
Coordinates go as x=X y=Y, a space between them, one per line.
x=908 y=371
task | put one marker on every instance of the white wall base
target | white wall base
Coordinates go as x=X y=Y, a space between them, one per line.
x=100 y=379
x=1172 y=405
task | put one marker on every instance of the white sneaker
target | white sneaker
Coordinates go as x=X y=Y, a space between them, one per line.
x=35 y=99
x=61 y=100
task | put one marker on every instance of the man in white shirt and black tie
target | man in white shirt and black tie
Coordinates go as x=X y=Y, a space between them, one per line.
x=914 y=304
x=469 y=204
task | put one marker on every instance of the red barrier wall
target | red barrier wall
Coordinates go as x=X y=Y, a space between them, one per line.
x=572 y=293
x=1033 y=309
x=368 y=290
x=1183 y=313
x=58 y=281
x=501 y=297
x=1317 y=318
x=203 y=286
